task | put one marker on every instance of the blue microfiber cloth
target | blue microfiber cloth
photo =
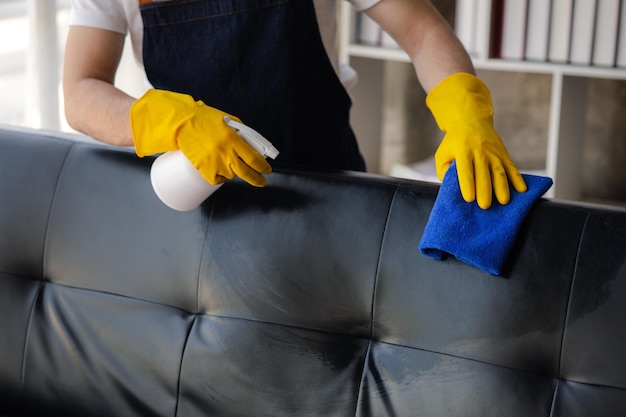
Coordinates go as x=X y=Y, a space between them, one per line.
x=481 y=238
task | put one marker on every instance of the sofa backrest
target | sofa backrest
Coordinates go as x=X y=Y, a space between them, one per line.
x=308 y=297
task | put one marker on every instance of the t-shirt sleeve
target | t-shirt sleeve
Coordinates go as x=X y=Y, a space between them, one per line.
x=363 y=4
x=108 y=15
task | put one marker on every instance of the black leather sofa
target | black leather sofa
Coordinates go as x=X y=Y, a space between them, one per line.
x=306 y=298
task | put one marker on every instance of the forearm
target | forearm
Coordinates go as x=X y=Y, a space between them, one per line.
x=93 y=105
x=426 y=36
x=459 y=101
x=100 y=110
x=440 y=54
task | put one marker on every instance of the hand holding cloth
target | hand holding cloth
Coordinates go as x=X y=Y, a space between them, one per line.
x=481 y=238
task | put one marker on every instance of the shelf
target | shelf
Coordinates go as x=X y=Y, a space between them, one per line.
x=376 y=52
x=387 y=54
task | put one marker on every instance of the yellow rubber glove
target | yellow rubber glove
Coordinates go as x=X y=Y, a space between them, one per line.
x=462 y=107
x=162 y=121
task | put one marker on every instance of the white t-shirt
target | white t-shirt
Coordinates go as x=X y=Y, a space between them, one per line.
x=123 y=16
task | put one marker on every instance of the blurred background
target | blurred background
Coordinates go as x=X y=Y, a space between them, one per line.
x=32 y=37
x=32 y=41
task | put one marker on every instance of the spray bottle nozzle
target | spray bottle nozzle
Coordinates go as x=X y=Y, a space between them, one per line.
x=254 y=138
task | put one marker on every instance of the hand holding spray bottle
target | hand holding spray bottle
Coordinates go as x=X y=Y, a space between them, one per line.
x=181 y=186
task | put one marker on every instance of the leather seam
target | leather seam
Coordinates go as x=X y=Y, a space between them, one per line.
x=378 y=262
x=180 y=366
x=362 y=381
x=40 y=286
x=312 y=329
x=569 y=297
x=42 y=277
x=370 y=342
x=207 y=237
x=50 y=213
x=554 y=395
x=373 y=304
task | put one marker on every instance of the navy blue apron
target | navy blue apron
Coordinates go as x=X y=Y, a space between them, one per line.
x=262 y=61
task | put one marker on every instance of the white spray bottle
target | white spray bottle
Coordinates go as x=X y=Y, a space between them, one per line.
x=181 y=186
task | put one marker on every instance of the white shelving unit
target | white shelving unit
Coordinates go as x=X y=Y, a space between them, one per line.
x=568 y=96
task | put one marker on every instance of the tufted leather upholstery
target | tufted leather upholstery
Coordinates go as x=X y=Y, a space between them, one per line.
x=306 y=298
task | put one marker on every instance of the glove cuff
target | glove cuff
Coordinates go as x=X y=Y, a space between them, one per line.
x=154 y=119
x=460 y=98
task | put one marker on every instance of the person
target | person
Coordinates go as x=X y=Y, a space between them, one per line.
x=273 y=65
